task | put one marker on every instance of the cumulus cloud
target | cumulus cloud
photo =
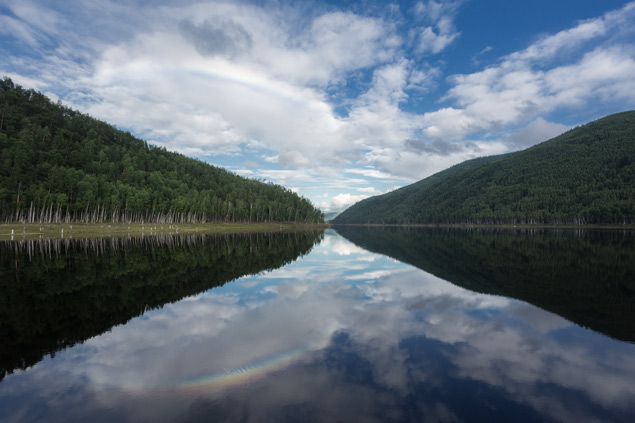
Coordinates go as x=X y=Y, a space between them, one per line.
x=346 y=200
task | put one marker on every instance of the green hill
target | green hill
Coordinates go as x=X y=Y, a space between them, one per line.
x=584 y=176
x=57 y=164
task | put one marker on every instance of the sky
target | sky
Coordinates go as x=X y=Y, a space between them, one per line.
x=337 y=101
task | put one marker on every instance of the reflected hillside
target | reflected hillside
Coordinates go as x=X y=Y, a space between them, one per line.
x=587 y=277
x=56 y=293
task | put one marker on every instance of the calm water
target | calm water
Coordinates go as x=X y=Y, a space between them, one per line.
x=356 y=325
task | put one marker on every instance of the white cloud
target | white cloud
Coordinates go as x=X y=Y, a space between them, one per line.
x=537 y=131
x=423 y=79
x=32 y=14
x=339 y=42
x=207 y=101
x=433 y=42
x=289 y=289
x=375 y=274
x=523 y=86
x=292 y=159
x=375 y=117
x=569 y=39
x=369 y=190
x=343 y=247
x=14 y=27
x=346 y=200
x=416 y=159
x=441 y=32
x=24 y=80
x=603 y=73
x=369 y=173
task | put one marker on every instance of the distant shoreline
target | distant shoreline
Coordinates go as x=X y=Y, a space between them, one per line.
x=607 y=226
x=96 y=230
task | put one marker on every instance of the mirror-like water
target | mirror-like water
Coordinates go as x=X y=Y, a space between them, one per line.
x=370 y=325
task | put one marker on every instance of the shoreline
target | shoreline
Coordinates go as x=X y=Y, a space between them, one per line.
x=31 y=231
x=605 y=226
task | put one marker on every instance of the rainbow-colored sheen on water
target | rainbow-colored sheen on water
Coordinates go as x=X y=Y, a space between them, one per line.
x=243 y=375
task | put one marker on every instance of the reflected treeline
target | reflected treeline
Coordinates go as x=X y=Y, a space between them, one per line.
x=587 y=277
x=55 y=293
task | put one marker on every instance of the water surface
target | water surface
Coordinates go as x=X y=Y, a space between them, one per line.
x=364 y=326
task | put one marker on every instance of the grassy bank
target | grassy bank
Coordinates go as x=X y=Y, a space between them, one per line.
x=19 y=231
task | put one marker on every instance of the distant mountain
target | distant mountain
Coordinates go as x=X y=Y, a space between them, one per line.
x=584 y=176
x=57 y=164
x=332 y=214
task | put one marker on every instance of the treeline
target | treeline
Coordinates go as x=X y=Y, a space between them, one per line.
x=59 y=165
x=585 y=176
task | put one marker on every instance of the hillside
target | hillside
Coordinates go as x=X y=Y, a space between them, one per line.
x=584 y=176
x=57 y=164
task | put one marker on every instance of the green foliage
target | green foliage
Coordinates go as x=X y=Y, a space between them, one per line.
x=57 y=164
x=56 y=293
x=584 y=176
x=587 y=277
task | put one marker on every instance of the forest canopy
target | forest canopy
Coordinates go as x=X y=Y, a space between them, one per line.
x=57 y=164
x=584 y=176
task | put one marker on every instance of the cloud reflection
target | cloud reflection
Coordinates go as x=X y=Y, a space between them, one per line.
x=360 y=341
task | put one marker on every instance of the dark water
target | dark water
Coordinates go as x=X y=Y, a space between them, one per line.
x=361 y=325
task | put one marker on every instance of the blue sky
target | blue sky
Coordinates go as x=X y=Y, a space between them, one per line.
x=335 y=100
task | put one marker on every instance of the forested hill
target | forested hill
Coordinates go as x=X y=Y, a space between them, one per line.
x=57 y=164
x=584 y=176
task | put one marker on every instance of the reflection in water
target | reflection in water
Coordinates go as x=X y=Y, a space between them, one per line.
x=60 y=292
x=240 y=376
x=342 y=334
x=585 y=276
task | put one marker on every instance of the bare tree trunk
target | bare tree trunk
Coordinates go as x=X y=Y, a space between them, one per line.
x=17 y=203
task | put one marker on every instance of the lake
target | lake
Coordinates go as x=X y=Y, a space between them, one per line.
x=351 y=324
